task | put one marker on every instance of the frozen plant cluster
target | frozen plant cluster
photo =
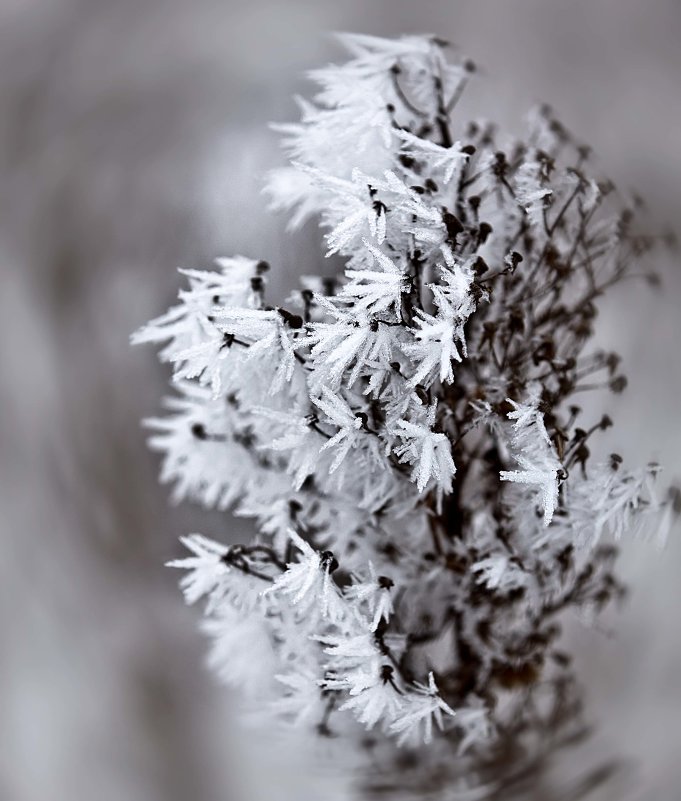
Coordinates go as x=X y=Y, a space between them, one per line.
x=407 y=436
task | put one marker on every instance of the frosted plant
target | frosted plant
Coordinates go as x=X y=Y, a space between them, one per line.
x=406 y=436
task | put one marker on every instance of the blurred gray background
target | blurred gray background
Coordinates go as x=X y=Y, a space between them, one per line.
x=133 y=140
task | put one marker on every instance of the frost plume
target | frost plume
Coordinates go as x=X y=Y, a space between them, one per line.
x=405 y=435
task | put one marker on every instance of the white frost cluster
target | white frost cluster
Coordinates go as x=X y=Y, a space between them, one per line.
x=418 y=523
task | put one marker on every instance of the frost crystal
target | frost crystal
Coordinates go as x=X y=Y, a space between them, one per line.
x=405 y=435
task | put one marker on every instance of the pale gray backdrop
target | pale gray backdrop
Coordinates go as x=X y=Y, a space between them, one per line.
x=133 y=140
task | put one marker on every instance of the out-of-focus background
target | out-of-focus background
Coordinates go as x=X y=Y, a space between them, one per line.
x=133 y=140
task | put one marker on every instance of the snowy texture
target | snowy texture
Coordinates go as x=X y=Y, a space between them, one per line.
x=405 y=437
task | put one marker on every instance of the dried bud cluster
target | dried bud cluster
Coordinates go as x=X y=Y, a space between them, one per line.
x=406 y=437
